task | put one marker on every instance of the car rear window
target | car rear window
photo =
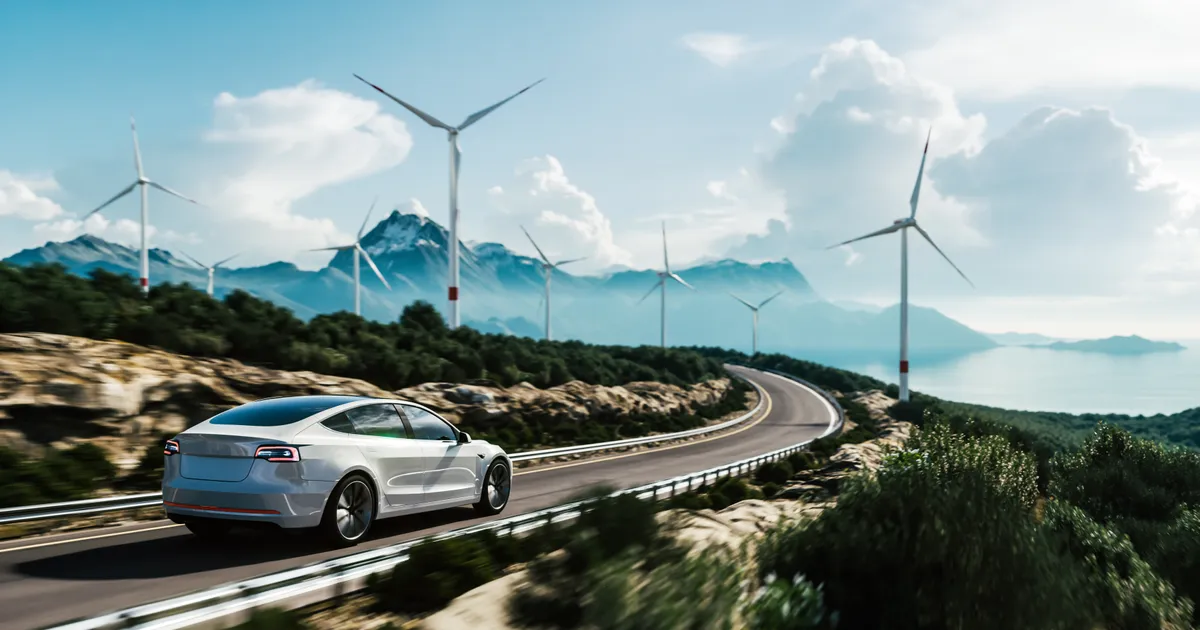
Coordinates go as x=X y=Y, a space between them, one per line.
x=275 y=412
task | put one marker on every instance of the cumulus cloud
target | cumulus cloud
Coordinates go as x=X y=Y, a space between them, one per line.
x=21 y=197
x=565 y=219
x=123 y=231
x=1065 y=202
x=416 y=207
x=1005 y=49
x=288 y=143
x=721 y=49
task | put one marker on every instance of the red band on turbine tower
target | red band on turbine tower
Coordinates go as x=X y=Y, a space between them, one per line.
x=453 y=294
x=904 y=367
x=145 y=282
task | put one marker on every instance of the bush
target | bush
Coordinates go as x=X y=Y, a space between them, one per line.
x=774 y=472
x=272 y=619
x=943 y=536
x=58 y=476
x=612 y=529
x=795 y=604
x=1115 y=587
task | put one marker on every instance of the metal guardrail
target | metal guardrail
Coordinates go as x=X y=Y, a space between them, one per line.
x=48 y=511
x=221 y=606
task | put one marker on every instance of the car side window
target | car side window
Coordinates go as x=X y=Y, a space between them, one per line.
x=380 y=420
x=426 y=426
x=340 y=423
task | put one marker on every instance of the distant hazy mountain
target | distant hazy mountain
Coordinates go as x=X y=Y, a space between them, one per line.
x=502 y=292
x=1132 y=344
x=1021 y=339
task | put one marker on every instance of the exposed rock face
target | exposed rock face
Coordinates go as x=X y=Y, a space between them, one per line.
x=55 y=390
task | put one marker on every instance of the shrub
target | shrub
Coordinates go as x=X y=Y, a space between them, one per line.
x=794 y=604
x=58 y=476
x=774 y=472
x=435 y=573
x=1114 y=587
x=943 y=536
x=272 y=619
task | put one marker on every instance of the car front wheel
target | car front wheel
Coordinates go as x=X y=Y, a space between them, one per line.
x=497 y=485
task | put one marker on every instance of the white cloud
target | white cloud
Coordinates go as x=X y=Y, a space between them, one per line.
x=288 y=143
x=1005 y=49
x=1065 y=202
x=565 y=219
x=416 y=207
x=20 y=197
x=721 y=49
x=124 y=231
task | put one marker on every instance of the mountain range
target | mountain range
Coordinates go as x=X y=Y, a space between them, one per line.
x=502 y=293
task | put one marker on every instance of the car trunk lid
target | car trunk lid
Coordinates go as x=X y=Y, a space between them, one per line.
x=218 y=457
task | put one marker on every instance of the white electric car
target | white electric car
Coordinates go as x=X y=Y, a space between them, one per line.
x=336 y=463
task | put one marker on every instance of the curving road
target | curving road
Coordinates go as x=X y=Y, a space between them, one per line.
x=61 y=578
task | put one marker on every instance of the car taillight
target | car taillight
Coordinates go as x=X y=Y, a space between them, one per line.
x=278 y=453
x=171 y=448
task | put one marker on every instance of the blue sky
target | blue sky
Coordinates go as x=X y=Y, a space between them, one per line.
x=678 y=111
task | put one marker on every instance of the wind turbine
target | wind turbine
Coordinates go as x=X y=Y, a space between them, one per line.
x=357 y=248
x=208 y=268
x=141 y=182
x=901 y=226
x=754 y=310
x=663 y=276
x=548 y=269
x=455 y=159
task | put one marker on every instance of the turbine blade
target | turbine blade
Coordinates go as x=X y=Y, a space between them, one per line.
x=477 y=116
x=676 y=278
x=336 y=248
x=194 y=261
x=370 y=262
x=109 y=202
x=749 y=305
x=652 y=290
x=666 y=263
x=939 y=250
x=912 y=202
x=887 y=230
x=535 y=245
x=227 y=260
x=367 y=218
x=569 y=260
x=764 y=302
x=137 y=151
x=430 y=120
x=172 y=192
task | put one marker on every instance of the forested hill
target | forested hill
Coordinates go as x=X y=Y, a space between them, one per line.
x=415 y=349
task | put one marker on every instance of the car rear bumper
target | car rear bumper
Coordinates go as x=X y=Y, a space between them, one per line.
x=300 y=505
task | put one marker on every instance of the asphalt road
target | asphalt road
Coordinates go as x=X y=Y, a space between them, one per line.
x=52 y=580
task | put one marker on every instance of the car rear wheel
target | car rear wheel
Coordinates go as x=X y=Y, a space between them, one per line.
x=349 y=512
x=497 y=485
x=208 y=530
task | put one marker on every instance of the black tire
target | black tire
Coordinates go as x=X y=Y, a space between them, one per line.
x=354 y=498
x=209 y=530
x=497 y=486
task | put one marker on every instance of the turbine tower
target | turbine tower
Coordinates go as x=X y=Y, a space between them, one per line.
x=455 y=160
x=357 y=248
x=548 y=269
x=901 y=226
x=209 y=269
x=754 y=310
x=663 y=276
x=141 y=182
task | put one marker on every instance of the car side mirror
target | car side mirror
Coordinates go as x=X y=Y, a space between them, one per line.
x=464 y=437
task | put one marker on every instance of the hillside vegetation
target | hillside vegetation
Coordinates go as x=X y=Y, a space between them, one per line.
x=416 y=348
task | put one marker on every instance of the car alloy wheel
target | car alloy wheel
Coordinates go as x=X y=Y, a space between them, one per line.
x=355 y=507
x=498 y=486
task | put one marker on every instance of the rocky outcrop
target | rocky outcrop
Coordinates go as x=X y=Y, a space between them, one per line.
x=56 y=390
